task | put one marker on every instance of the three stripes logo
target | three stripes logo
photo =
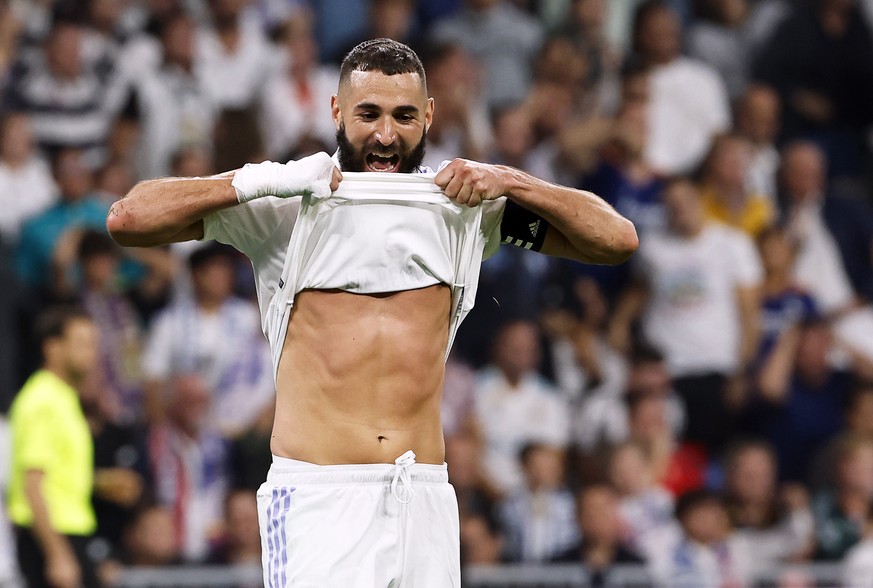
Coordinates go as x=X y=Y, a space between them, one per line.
x=534 y=228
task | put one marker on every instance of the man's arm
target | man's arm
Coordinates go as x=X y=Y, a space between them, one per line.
x=582 y=225
x=157 y=212
x=62 y=569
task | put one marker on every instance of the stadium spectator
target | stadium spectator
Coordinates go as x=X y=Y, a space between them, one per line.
x=601 y=547
x=295 y=114
x=696 y=279
x=538 y=519
x=77 y=208
x=71 y=100
x=481 y=541
x=707 y=552
x=725 y=191
x=818 y=60
x=777 y=522
x=516 y=406
x=645 y=509
x=840 y=511
x=757 y=116
x=175 y=103
x=190 y=336
x=857 y=566
x=502 y=39
x=26 y=184
x=8 y=564
x=188 y=465
x=688 y=100
x=240 y=543
x=150 y=540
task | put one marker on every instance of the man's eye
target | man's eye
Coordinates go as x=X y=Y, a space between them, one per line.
x=368 y=115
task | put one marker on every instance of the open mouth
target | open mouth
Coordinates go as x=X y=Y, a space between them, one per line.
x=382 y=163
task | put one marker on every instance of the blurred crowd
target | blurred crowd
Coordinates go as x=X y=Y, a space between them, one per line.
x=705 y=410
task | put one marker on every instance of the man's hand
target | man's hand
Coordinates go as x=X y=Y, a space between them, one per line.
x=471 y=183
x=315 y=175
x=62 y=569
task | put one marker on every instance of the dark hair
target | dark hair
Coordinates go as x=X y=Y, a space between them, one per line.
x=641 y=15
x=694 y=499
x=95 y=243
x=208 y=253
x=52 y=322
x=382 y=55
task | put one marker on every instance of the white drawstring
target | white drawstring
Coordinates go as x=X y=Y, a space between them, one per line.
x=401 y=476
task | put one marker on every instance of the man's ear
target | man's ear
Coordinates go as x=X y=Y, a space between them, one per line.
x=335 y=111
x=428 y=114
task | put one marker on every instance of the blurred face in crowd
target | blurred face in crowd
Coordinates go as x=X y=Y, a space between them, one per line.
x=151 y=541
x=300 y=42
x=544 y=468
x=513 y=134
x=105 y=13
x=648 y=418
x=462 y=456
x=598 y=514
x=192 y=163
x=629 y=470
x=75 y=353
x=178 y=41
x=589 y=14
x=758 y=115
x=777 y=253
x=99 y=271
x=479 y=544
x=381 y=121
x=517 y=351
x=659 y=36
x=706 y=522
x=213 y=281
x=63 y=51
x=684 y=209
x=803 y=172
x=74 y=179
x=631 y=129
x=18 y=141
x=751 y=476
x=813 y=349
x=649 y=378
x=727 y=163
x=189 y=400
x=241 y=514
x=226 y=12
x=391 y=18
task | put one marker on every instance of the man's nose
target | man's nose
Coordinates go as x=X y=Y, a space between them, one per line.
x=385 y=133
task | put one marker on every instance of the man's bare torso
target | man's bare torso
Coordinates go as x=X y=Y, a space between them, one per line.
x=361 y=377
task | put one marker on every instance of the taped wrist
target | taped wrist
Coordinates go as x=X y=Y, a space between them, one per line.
x=308 y=176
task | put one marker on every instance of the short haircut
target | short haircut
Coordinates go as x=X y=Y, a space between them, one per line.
x=382 y=55
x=95 y=244
x=208 y=253
x=694 y=499
x=52 y=322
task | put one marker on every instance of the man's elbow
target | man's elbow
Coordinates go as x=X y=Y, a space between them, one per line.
x=625 y=244
x=121 y=225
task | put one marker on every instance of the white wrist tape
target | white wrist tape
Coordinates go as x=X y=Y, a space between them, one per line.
x=308 y=176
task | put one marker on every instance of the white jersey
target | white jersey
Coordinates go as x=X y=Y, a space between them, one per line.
x=377 y=233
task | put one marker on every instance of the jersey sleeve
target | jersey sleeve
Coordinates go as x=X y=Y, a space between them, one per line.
x=33 y=434
x=249 y=226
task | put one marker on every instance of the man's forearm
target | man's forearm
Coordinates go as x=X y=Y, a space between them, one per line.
x=52 y=542
x=156 y=212
x=591 y=230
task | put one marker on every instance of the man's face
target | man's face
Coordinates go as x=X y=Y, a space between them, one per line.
x=381 y=122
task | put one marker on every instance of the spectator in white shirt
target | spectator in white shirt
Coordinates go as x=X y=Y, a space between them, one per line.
x=190 y=336
x=515 y=405
x=757 y=119
x=295 y=115
x=688 y=100
x=858 y=563
x=697 y=294
x=26 y=184
x=645 y=509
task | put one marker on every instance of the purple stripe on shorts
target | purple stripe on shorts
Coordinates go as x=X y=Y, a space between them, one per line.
x=268 y=573
x=284 y=536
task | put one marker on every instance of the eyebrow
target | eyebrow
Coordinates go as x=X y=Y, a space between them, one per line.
x=403 y=109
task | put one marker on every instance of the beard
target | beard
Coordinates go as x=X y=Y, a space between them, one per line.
x=353 y=159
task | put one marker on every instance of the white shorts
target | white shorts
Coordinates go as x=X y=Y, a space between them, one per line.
x=359 y=526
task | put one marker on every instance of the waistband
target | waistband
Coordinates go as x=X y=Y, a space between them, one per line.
x=353 y=474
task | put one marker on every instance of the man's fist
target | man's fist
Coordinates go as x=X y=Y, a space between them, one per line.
x=471 y=183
